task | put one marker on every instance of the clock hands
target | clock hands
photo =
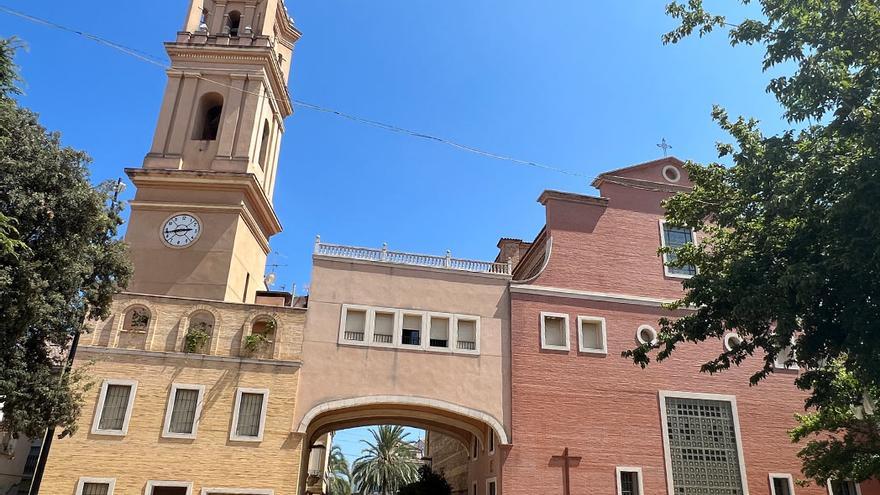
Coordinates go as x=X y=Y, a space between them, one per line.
x=178 y=230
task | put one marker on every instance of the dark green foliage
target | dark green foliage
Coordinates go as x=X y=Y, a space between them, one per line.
x=792 y=247
x=70 y=266
x=387 y=462
x=429 y=483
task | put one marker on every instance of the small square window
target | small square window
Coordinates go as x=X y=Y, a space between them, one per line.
x=95 y=486
x=674 y=237
x=467 y=334
x=439 y=337
x=781 y=484
x=354 y=324
x=249 y=416
x=383 y=327
x=591 y=335
x=184 y=410
x=411 y=332
x=554 y=331
x=114 y=407
x=629 y=481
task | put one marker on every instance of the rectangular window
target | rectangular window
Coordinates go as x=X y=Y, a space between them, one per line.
x=554 y=331
x=354 y=324
x=782 y=359
x=467 y=334
x=491 y=442
x=411 y=333
x=629 y=481
x=591 y=335
x=474 y=489
x=183 y=411
x=249 y=416
x=675 y=237
x=781 y=484
x=95 y=486
x=114 y=407
x=383 y=327
x=475 y=449
x=843 y=487
x=440 y=331
x=491 y=488
x=701 y=443
x=169 y=488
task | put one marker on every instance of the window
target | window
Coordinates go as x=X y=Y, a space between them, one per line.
x=7 y=440
x=249 y=416
x=554 y=331
x=731 y=340
x=137 y=319
x=237 y=491
x=843 y=487
x=411 y=331
x=169 y=488
x=701 y=443
x=475 y=449
x=439 y=331
x=208 y=124
x=491 y=442
x=199 y=332
x=781 y=484
x=467 y=334
x=354 y=324
x=264 y=145
x=784 y=359
x=95 y=486
x=114 y=407
x=591 y=335
x=383 y=327
x=183 y=411
x=474 y=489
x=646 y=335
x=629 y=481
x=491 y=486
x=671 y=173
x=675 y=237
x=233 y=22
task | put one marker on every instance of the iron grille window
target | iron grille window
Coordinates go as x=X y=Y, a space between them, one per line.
x=629 y=483
x=702 y=447
x=183 y=414
x=675 y=237
x=95 y=489
x=115 y=405
x=250 y=412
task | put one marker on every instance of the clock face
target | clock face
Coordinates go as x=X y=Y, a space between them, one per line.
x=181 y=230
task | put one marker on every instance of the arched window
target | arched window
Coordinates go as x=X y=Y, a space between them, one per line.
x=210 y=110
x=137 y=319
x=200 y=331
x=233 y=22
x=264 y=145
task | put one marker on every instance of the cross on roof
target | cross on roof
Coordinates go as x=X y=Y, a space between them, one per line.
x=664 y=146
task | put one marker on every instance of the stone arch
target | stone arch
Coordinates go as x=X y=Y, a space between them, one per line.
x=185 y=321
x=150 y=330
x=251 y=322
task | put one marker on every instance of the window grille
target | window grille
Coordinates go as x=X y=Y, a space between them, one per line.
x=183 y=413
x=439 y=332
x=467 y=335
x=115 y=405
x=629 y=483
x=383 y=328
x=675 y=237
x=95 y=489
x=249 y=413
x=702 y=447
x=355 y=325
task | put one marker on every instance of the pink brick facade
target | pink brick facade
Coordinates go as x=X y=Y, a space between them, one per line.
x=603 y=407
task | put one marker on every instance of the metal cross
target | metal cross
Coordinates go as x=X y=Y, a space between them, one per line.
x=567 y=462
x=666 y=147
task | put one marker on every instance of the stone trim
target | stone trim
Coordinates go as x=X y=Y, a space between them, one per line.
x=194 y=357
x=542 y=290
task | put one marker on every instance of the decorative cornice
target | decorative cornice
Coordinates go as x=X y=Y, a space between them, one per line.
x=497 y=276
x=189 y=357
x=571 y=197
x=541 y=290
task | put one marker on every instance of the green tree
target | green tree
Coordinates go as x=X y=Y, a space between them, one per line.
x=387 y=463
x=430 y=482
x=791 y=258
x=340 y=477
x=68 y=268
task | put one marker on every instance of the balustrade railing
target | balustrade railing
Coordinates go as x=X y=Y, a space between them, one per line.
x=402 y=258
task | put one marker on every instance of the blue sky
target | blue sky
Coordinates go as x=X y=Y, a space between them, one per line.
x=584 y=86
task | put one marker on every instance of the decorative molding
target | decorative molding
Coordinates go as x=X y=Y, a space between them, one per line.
x=286 y=363
x=400 y=266
x=543 y=290
x=572 y=198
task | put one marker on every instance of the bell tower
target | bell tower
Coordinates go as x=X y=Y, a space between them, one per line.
x=202 y=215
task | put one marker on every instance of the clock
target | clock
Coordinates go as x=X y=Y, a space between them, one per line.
x=181 y=230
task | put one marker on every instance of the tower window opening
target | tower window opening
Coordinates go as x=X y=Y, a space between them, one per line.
x=210 y=110
x=264 y=145
x=233 y=22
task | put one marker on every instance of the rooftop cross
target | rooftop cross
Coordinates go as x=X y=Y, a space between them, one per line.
x=664 y=146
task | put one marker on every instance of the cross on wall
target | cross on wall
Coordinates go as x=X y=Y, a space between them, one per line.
x=567 y=462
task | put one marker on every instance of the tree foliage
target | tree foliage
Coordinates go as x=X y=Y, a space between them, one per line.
x=67 y=268
x=430 y=482
x=388 y=462
x=339 y=476
x=791 y=258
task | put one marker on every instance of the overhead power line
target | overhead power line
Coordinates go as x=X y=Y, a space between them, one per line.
x=147 y=58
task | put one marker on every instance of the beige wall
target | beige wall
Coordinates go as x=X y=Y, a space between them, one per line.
x=334 y=372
